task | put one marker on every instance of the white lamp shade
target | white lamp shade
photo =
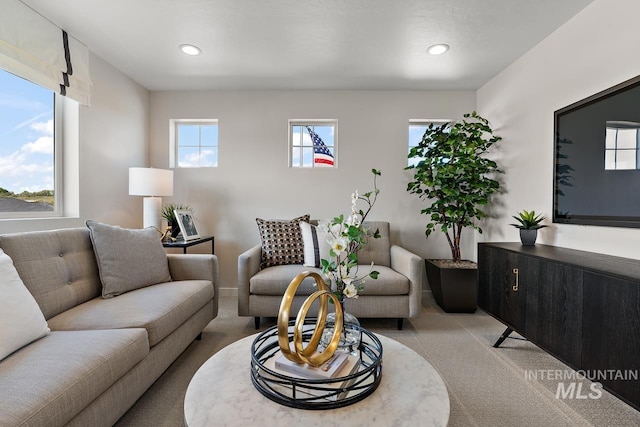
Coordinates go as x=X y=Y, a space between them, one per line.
x=150 y=182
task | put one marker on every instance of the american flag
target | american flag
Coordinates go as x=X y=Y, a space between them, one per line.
x=322 y=157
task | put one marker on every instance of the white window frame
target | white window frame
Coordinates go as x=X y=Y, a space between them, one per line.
x=311 y=123
x=59 y=124
x=174 y=146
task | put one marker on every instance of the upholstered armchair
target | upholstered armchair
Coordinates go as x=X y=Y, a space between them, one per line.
x=396 y=293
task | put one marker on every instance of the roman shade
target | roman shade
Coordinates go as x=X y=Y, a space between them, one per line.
x=34 y=48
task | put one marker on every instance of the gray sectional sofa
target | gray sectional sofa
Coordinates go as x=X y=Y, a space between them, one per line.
x=395 y=294
x=102 y=353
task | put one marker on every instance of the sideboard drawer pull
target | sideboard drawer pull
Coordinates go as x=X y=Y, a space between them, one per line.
x=515 y=287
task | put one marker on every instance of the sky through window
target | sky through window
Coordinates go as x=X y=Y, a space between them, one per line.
x=26 y=135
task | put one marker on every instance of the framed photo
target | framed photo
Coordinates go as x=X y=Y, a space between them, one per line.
x=187 y=224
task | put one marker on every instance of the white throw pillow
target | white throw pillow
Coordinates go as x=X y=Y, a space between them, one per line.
x=316 y=246
x=21 y=320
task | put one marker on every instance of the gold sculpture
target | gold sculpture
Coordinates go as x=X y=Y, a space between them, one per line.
x=308 y=354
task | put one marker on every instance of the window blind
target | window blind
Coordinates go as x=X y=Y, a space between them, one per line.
x=34 y=48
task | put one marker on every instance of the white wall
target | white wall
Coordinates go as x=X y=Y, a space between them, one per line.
x=595 y=50
x=128 y=126
x=113 y=135
x=253 y=178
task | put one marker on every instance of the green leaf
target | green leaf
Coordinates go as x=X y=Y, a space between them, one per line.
x=529 y=220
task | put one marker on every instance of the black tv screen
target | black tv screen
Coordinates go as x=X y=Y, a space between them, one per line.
x=597 y=159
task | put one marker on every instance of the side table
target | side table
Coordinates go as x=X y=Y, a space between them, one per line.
x=185 y=244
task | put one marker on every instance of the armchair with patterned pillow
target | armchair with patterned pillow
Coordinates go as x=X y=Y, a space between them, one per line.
x=291 y=247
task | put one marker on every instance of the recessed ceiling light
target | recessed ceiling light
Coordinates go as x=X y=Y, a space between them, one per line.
x=438 y=49
x=190 y=49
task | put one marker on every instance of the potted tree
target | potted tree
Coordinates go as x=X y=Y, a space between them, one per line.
x=529 y=224
x=455 y=179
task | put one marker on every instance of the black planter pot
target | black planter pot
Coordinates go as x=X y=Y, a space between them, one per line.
x=528 y=236
x=454 y=289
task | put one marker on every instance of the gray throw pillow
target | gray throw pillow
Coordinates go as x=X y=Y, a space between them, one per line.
x=128 y=259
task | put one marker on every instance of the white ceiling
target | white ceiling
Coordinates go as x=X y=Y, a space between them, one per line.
x=309 y=44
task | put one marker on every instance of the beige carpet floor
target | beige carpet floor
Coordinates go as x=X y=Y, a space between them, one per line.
x=487 y=386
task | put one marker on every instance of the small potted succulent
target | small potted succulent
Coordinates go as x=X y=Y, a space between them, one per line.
x=168 y=213
x=529 y=223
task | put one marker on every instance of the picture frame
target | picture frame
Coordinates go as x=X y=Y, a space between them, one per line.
x=187 y=224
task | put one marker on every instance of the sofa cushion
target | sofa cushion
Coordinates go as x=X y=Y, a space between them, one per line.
x=159 y=309
x=281 y=241
x=21 y=320
x=128 y=259
x=51 y=380
x=57 y=266
x=389 y=282
x=316 y=245
x=275 y=280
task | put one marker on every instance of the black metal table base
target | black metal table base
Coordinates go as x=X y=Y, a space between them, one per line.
x=505 y=335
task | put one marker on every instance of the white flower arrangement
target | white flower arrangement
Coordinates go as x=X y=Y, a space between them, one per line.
x=347 y=237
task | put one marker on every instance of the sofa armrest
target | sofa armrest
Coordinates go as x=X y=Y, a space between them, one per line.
x=196 y=267
x=248 y=266
x=411 y=266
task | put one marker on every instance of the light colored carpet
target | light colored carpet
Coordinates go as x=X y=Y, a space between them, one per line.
x=487 y=386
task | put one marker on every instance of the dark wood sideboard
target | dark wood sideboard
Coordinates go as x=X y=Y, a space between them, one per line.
x=581 y=307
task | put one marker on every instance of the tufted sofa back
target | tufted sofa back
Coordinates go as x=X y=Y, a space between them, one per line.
x=376 y=250
x=58 y=267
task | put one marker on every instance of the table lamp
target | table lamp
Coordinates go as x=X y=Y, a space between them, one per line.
x=153 y=184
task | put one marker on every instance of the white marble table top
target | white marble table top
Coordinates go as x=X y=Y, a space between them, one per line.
x=411 y=393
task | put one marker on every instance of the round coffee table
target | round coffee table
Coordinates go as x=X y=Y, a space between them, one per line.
x=410 y=393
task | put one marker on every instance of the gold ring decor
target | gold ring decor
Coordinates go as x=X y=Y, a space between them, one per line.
x=308 y=354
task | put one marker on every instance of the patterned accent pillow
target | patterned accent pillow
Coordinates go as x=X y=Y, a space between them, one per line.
x=281 y=241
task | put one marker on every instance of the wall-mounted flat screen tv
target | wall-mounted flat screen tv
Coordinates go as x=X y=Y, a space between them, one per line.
x=597 y=159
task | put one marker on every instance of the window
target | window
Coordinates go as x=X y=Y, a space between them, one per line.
x=194 y=144
x=621 y=145
x=417 y=128
x=30 y=153
x=312 y=144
